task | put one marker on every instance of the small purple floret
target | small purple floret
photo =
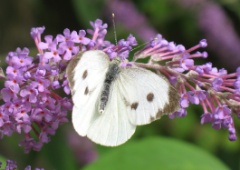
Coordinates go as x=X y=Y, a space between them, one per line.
x=203 y=43
x=35 y=32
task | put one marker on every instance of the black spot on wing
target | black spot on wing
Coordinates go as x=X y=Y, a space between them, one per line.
x=85 y=74
x=86 y=91
x=150 y=97
x=134 y=106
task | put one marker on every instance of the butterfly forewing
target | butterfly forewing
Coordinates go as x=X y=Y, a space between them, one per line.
x=146 y=95
x=86 y=73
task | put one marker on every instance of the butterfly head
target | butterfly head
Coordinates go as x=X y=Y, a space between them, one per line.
x=116 y=60
x=123 y=63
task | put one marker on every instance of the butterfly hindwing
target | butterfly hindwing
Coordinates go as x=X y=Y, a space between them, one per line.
x=112 y=127
x=147 y=95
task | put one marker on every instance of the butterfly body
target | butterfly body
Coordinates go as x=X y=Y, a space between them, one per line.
x=110 y=101
x=110 y=77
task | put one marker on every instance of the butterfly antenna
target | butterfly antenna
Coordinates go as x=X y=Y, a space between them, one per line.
x=143 y=44
x=114 y=28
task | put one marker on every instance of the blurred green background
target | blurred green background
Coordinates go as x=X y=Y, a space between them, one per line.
x=164 y=142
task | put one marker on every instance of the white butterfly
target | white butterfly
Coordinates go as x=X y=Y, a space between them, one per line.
x=110 y=101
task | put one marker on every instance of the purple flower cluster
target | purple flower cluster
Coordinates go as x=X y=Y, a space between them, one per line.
x=12 y=165
x=214 y=89
x=32 y=106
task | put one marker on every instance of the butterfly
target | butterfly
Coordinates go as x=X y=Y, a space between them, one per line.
x=109 y=101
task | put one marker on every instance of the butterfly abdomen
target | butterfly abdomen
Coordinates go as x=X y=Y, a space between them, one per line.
x=110 y=77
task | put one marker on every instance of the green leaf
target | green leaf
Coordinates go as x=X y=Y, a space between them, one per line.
x=3 y=160
x=157 y=153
